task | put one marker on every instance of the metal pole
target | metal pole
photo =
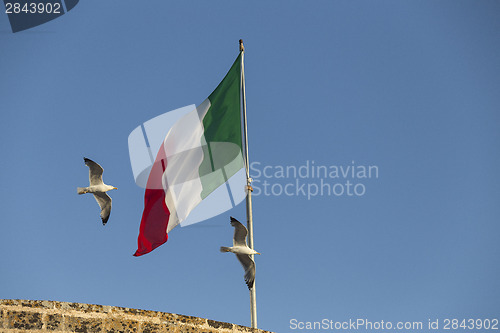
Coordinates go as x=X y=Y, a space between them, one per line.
x=253 y=298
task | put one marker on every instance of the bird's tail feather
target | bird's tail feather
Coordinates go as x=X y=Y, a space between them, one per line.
x=81 y=190
x=225 y=249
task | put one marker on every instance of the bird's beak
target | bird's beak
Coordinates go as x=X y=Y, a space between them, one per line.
x=115 y=188
x=258 y=253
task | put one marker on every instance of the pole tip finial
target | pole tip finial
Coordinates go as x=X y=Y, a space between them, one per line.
x=242 y=48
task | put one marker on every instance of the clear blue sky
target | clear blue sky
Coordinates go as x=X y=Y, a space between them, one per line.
x=411 y=87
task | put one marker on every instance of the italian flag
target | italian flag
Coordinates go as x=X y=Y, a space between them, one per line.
x=199 y=153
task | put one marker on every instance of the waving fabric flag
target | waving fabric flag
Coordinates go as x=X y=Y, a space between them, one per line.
x=199 y=154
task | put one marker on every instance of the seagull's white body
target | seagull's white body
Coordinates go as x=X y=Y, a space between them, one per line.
x=98 y=189
x=242 y=251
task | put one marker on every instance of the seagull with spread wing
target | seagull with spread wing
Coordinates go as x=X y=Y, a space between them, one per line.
x=98 y=189
x=242 y=251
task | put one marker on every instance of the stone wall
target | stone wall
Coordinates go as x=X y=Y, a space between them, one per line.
x=18 y=316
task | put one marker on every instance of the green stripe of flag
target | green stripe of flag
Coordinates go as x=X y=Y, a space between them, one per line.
x=222 y=132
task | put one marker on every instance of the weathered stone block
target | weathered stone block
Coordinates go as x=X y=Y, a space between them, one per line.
x=30 y=304
x=188 y=329
x=83 y=325
x=169 y=318
x=54 y=322
x=218 y=324
x=119 y=325
x=8 y=302
x=23 y=320
x=191 y=320
x=138 y=312
x=150 y=327
x=207 y=330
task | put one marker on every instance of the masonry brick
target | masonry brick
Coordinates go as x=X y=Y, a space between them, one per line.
x=63 y=317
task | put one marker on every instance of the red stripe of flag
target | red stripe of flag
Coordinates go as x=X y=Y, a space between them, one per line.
x=154 y=222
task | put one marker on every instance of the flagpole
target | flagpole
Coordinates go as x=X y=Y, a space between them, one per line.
x=253 y=298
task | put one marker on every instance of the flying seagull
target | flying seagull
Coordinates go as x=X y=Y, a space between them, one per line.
x=242 y=251
x=98 y=189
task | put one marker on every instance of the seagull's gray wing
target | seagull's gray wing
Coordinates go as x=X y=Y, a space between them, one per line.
x=95 y=172
x=240 y=233
x=249 y=267
x=104 y=202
